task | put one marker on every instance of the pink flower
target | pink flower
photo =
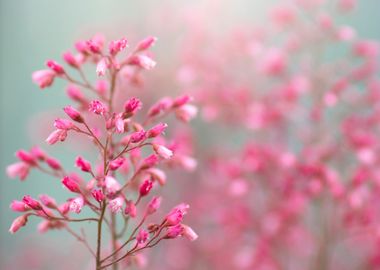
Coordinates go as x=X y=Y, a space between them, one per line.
x=63 y=124
x=138 y=136
x=146 y=43
x=130 y=209
x=98 y=195
x=76 y=205
x=101 y=67
x=156 y=130
x=19 y=206
x=116 y=205
x=182 y=100
x=74 y=93
x=44 y=78
x=161 y=106
x=116 y=163
x=83 y=164
x=153 y=205
x=186 y=112
x=71 y=184
x=26 y=157
x=48 y=201
x=32 y=203
x=73 y=114
x=142 y=236
x=117 y=46
x=38 y=153
x=97 y=107
x=132 y=105
x=174 y=232
x=175 y=216
x=145 y=188
x=57 y=68
x=143 y=61
x=18 y=223
x=19 y=169
x=119 y=124
x=149 y=162
x=112 y=186
x=53 y=163
x=158 y=175
x=70 y=59
x=57 y=135
x=162 y=151
x=189 y=233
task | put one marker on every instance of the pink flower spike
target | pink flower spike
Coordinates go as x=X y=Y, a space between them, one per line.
x=98 y=195
x=18 y=223
x=101 y=67
x=48 y=201
x=132 y=105
x=130 y=209
x=53 y=163
x=97 y=107
x=44 y=78
x=149 y=162
x=146 y=43
x=70 y=59
x=57 y=68
x=57 y=135
x=156 y=130
x=19 y=169
x=26 y=157
x=76 y=205
x=189 y=233
x=83 y=164
x=116 y=205
x=162 y=151
x=142 y=236
x=71 y=184
x=153 y=205
x=116 y=163
x=138 y=136
x=73 y=114
x=63 y=124
x=186 y=112
x=32 y=203
x=19 y=206
x=145 y=188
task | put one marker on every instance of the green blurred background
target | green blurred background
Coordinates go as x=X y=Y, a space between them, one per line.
x=35 y=30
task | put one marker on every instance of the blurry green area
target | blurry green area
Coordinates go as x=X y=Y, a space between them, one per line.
x=33 y=31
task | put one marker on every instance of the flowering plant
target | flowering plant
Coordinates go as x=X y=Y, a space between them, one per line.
x=121 y=140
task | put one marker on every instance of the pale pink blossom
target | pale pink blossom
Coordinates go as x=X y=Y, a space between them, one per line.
x=19 y=206
x=44 y=78
x=83 y=164
x=146 y=43
x=19 y=169
x=162 y=151
x=116 y=205
x=97 y=107
x=101 y=67
x=18 y=223
x=153 y=205
x=186 y=112
x=76 y=205
x=57 y=135
x=189 y=233
x=111 y=184
x=142 y=236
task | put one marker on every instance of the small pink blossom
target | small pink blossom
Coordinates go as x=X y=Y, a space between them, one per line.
x=19 y=169
x=71 y=184
x=116 y=163
x=130 y=209
x=156 y=130
x=98 y=195
x=57 y=135
x=142 y=237
x=116 y=205
x=48 y=201
x=145 y=187
x=186 y=112
x=149 y=162
x=132 y=105
x=112 y=185
x=101 y=67
x=63 y=124
x=73 y=114
x=70 y=59
x=44 y=78
x=117 y=46
x=97 y=107
x=189 y=233
x=174 y=231
x=26 y=157
x=153 y=205
x=18 y=223
x=76 y=205
x=83 y=164
x=75 y=94
x=138 y=136
x=32 y=203
x=143 y=61
x=146 y=43
x=162 y=151
x=175 y=216
x=19 y=206
x=57 y=68
x=53 y=163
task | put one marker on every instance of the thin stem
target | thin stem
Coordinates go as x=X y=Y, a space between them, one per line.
x=99 y=241
x=81 y=239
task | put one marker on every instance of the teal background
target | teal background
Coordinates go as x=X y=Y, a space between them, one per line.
x=34 y=30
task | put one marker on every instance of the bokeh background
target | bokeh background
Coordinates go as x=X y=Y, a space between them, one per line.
x=33 y=31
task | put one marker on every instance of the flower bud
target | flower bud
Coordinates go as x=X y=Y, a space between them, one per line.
x=63 y=124
x=162 y=151
x=116 y=205
x=57 y=68
x=98 y=195
x=44 y=78
x=156 y=130
x=73 y=114
x=32 y=203
x=18 y=206
x=153 y=205
x=142 y=236
x=83 y=164
x=53 y=163
x=48 y=201
x=145 y=188
x=71 y=184
x=130 y=209
x=18 y=223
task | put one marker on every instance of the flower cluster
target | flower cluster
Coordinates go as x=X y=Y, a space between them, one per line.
x=114 y=186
